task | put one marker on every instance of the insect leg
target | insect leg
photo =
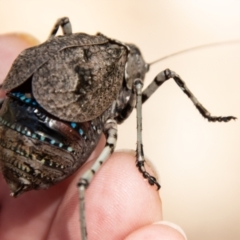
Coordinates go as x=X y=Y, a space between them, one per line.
x=126 y=111
x=168 y=74
x=65 y=25
x=1 y=99
x=1 y=102
x=138 y=84
x=110 y=131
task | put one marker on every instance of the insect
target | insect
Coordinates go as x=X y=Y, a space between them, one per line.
x=61 y=96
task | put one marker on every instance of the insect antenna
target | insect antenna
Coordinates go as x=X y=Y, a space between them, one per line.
x=215 y=44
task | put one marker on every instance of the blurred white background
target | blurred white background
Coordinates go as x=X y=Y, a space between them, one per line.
x=198 y=162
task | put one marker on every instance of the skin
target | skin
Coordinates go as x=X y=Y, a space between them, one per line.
x=120 y=204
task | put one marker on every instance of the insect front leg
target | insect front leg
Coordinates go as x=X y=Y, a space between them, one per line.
x=168 y=74
x=65 y=24
x=1 y=99
x=1 y=102
x=138 y=84
x=110 y=131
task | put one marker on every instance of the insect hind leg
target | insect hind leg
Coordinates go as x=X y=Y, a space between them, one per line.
x=110 y=131
x=168 y=74
x=138 y=84
x=65 y=24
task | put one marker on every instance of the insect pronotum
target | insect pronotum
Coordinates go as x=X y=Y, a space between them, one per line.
x=61 y=96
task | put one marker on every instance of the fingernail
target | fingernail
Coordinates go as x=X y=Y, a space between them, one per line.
x=174 y=226
x=27 y=38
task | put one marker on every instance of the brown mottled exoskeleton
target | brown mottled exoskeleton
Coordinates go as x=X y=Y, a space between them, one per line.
x=61 y=96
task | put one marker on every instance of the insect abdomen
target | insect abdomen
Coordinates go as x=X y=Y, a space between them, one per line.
x=38 y=150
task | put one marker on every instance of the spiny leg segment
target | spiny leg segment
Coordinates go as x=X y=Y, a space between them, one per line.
x=168 y=74
x=65 y=24
x=110 y=131
x=138 y=84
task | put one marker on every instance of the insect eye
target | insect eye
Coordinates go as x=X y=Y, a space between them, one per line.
x=115 y=51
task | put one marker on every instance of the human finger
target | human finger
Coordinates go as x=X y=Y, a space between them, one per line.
x=160 y=230
x=118 y=201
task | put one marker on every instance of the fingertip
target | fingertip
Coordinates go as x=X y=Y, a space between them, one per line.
x=120 y=195
x=148 y=162
x=121 y=167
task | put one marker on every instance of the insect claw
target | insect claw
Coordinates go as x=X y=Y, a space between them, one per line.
x=151 y=180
